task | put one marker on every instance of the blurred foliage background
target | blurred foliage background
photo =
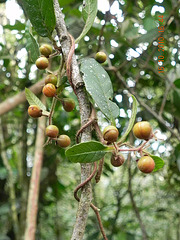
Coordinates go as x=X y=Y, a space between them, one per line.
x=130 y=201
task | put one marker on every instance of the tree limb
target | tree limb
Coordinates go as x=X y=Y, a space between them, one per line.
x=19 y=98
x=32 y=206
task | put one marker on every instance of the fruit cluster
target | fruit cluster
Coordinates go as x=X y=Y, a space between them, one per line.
x=141 y=130
x=50 y=91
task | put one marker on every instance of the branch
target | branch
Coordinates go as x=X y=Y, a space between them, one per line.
x=19 y=98
x=32 y=206
x=84 y=106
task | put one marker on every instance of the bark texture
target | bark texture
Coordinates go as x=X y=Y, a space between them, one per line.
x=84 y=106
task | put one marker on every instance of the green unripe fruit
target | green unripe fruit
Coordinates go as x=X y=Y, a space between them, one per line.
x=117 y=160
x=52 y=131
x=63 y=141
x=100 y=57
x=49 y=90
x=142 y=130
x=146 y=164
x=42 y=63
x=110 y=134
x=68 y=104
x=51 y=78
x=45 y=50
x=34 y=111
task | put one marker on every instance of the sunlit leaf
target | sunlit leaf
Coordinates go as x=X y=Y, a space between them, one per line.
x=86 y=152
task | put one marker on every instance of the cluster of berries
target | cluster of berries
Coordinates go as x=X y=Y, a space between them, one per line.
x=141 y=130
x=50 y=90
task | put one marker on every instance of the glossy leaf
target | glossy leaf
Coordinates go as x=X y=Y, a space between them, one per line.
x=41 y=15
x=131 y=121
x=33 y=100
x=159 y=163
x=89 y=13
x=86 y=152
x=99 y=86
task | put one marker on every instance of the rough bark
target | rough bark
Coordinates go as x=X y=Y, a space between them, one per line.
x=32 y=206
x=84 y=106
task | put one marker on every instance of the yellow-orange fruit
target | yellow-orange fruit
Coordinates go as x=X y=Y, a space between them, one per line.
x=34 y=111
x=42 y=63
x=49 y=90
x=142 y=130
x=110 y=134
x=146 y=164
x=45 y=50
x=63 y=141
x=68 y=104
x=52 y=131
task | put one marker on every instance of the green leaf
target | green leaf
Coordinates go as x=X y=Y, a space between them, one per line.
x=31 y=45
x=99 y=86
x=89 y=13
x=149 y=23
x=131 y=121
x=177 y=83
x=17 y=26
x=33 y=100
x=159 y=163
x=41 y=15
x=86 y=152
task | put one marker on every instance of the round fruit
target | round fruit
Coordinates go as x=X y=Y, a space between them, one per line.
x=110 y=134
x=45 y=50
x=34 y=111
x=117 y=160
x=49 y=90
x=146 y=164
x=52 y=131
x=42 y=63
x=63 y=141
x=100 y=57
x=51 y=78
x=68 y=104
x=142 y=130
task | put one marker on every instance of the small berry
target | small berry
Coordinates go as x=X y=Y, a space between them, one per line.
x=52 y=131
x=110 y=134
x=45 y=50
x=146 y=164
x=63 y=141
x=49 y=90
x=100 y=57
x=117 y=160
x=51 y=78
x=142 y=130
x=68 y=104
x=42 y=63
x=34 y=111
